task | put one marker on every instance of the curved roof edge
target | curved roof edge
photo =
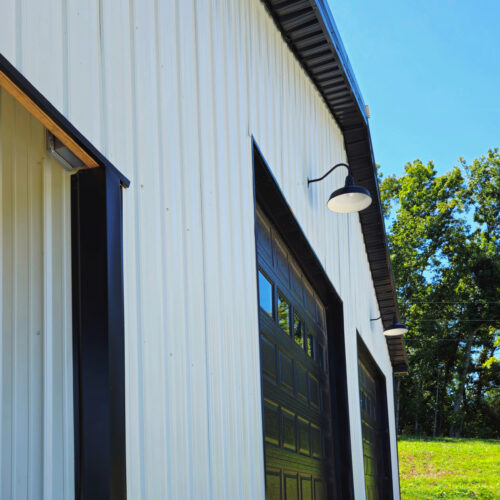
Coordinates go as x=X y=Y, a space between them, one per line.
x=310 y=31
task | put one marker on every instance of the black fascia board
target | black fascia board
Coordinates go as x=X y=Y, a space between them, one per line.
x=328 y=23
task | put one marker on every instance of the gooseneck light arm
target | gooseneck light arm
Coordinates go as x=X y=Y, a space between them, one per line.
x=348 y=199
x=309 y=181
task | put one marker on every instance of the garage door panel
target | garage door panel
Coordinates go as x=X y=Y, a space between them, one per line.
x=306 y=491
x=304 y=436
x=288 y=400
x=283 y=459
x=286 y=371
x=319 y=490
x=268 y=357
x=289 y=433
x=314 y=391
x=367 y=393
x=374 y=427
x=273 y=484
x=301 y=382
x=282 y=266
x=291 y=486
x=297 y=285
x=271 y=423
x=264 y=246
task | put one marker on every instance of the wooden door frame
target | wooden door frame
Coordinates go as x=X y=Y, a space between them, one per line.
x=268 y=195
x=98 y=304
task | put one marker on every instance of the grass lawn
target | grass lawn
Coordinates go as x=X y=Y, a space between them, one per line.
x=449 y=468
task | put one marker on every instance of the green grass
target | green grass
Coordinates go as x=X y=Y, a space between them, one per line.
x=449 y=468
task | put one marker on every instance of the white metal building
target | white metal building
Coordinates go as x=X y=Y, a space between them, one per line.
x=181 y=315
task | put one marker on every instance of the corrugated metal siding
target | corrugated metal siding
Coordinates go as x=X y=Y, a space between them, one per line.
x=36 y=378
x=172 y=92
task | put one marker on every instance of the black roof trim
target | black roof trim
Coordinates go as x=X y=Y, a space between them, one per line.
x=310 y=31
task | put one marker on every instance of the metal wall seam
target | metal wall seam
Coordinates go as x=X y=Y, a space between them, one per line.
x=84 y=70
x=211 y=253
x=148 y=267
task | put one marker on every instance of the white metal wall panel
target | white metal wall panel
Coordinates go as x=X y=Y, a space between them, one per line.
x=36 y=378
x=172 y=92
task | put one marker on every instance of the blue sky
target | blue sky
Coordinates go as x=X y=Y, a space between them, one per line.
x=430 y=72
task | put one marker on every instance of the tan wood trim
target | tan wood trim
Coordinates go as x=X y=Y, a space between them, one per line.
x=46 y=120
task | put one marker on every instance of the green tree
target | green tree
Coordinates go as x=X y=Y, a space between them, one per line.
x=444 y=239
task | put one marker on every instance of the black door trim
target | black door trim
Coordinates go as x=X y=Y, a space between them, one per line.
x=270 y=198
x=98 y=334
x=98 y=308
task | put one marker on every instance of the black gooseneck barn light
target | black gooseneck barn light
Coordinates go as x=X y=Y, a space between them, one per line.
x=350 y=198
x=395 y=329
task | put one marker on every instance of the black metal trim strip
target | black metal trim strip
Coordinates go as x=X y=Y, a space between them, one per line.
x=98 y=334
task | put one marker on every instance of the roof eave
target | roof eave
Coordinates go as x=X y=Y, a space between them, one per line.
x=310 y=31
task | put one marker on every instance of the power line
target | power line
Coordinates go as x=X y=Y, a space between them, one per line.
x=450 y=302
x=441 y=340
x=460 y=320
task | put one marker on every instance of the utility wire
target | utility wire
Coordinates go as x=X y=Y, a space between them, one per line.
x=440 y=340
x=460 y=320
x=479 y=302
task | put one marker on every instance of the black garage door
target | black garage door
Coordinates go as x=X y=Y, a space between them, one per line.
x=368 y=403
x=296 y=401
x=375 y=431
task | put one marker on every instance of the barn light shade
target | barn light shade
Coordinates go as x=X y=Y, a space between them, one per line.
x=396 y=329
x=350 y=198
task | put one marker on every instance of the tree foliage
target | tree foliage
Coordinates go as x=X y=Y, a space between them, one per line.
x=444 y=239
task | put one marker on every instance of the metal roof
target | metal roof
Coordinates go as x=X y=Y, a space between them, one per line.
x=310 y=32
